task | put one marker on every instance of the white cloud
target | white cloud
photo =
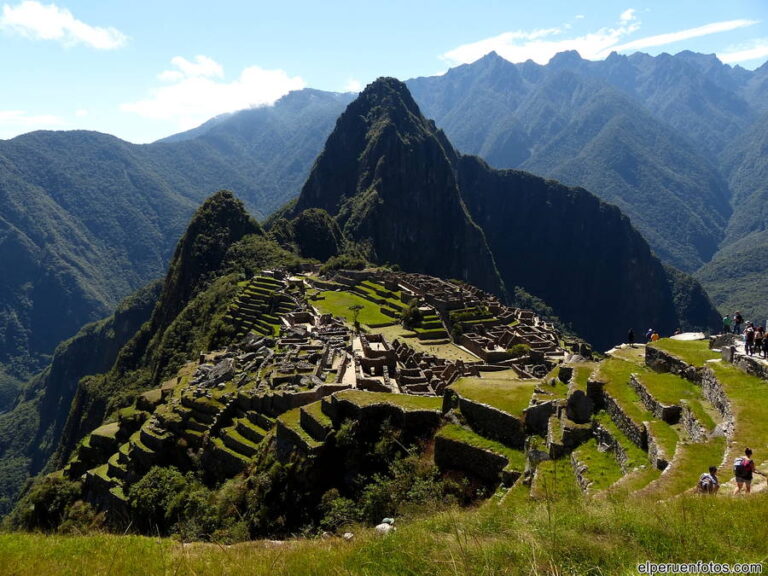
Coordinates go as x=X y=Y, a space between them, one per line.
x=687 y=34
x=353 y=85
x=755 y=50
x=81 y=113
x=196 y=92
x=627 y=15
x=14 y=122
x=49 y=22
x=541 y=45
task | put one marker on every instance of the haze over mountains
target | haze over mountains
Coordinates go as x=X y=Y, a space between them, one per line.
x=674 y=141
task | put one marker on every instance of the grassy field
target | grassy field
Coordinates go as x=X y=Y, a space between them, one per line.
x=509 y=394
x=338 y=303
x=695 y=352
x=602 y=467
x=570 y=535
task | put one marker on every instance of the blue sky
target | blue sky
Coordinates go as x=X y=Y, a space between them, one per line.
x=142 y=70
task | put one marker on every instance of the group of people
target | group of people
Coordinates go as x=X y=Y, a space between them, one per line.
x=743 y=471
x=755 y=340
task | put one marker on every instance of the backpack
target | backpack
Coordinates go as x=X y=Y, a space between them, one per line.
x=741 y=467
x=705 y=483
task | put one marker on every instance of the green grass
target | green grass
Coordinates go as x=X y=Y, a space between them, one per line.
x=634 y=355
x=509 y=395
x=107 y=430
x=338 y=303
x=404 y=401
x=292 y=420
x=465 y=435
x=694 y=352
x=749 y=402
x=555 y=480
x=635 y=456
x=615 y=373
x=316 y=411
x=666 y=436
x=568 y=535
x=582 y=372
x=691 y=460
x=602 y=467
x=670 y=389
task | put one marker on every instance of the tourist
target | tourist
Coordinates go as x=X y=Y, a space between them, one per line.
x=655 y=336
x=727 y=324
x=743 y=469
x=738 y=320
x=386 y=526
x=765 y=346
x=749 y=339
x=708 y=482
x=648 y=335
x=757 y=346
x=631 y=338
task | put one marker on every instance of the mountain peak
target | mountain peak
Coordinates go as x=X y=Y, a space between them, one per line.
x=566 y=58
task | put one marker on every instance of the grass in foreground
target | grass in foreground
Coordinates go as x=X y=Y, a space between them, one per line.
x=570 y=535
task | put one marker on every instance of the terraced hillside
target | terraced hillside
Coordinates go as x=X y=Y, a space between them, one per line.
x=300 y=392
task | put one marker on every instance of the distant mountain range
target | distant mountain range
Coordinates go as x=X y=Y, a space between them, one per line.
x=86 y=218
x=676 y=142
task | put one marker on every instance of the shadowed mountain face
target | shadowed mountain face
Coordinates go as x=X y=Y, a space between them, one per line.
x=386 y=175
x=396 y=187
x=86 y=218
x=589 y=124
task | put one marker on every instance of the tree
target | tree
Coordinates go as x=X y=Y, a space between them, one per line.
x=355 y=314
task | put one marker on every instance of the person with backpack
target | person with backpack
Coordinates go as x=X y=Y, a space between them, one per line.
x=708 y=482
x=749 y=339
x=757 y=347
x=743 y=469
x=738 y=320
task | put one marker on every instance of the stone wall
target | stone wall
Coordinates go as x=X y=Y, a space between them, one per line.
x=668 y=413
x=695 y=430
x=656 y=453
x=455 y=455
x=537 y=416
x=751 y=365
x=661 y=361
x=634 y=431
x=491 y=422
x=714 y=393
x=413 y=422
x=603 y=436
